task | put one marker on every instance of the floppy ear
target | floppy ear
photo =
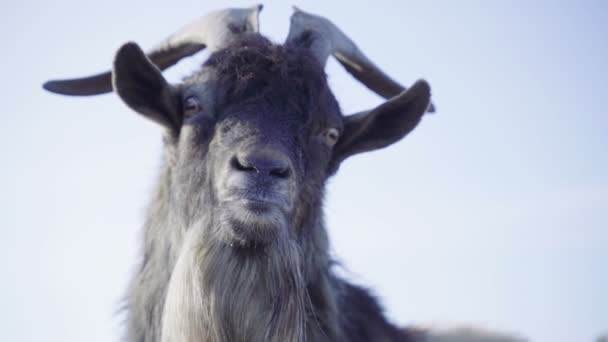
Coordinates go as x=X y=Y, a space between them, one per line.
x=383 y=125
x=141 y=85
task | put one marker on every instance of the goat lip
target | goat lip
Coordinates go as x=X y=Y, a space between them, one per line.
x=256 y=199
x=258 y=205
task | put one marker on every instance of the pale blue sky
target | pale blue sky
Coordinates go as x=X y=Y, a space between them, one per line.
x=494 y=211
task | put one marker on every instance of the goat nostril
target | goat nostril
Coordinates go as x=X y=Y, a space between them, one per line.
x=240 y=166
x=262 y=164
x=282 y=172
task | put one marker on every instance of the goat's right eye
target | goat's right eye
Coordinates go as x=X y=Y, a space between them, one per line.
x=191 y=106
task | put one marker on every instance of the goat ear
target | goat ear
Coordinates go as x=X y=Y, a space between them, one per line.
x=141 y=85
x=383 y=125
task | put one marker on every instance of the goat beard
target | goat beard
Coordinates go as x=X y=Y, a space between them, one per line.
x=219 y=292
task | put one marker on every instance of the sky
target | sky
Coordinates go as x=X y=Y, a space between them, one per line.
x=494 y=211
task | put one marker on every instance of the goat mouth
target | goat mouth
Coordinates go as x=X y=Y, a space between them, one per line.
x=257 y=206
x=254 y=209
x=253 y=220
x=257 y=202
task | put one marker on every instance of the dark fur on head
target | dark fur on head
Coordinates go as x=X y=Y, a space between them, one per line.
x=255 y=68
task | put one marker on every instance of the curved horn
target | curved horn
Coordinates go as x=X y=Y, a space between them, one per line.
x=324 y=39
x=214 y=31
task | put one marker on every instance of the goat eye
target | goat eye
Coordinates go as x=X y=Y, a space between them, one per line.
x=191 y=106
x=331 y=136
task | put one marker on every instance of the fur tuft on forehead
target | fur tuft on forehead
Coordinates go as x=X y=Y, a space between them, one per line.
x=256 y=70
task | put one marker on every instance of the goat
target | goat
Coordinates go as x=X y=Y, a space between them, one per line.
x=235 y=247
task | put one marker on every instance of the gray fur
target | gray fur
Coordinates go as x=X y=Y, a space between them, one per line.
x=201 y=278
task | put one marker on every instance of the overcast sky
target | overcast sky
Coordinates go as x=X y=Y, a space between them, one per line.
x=494 y=211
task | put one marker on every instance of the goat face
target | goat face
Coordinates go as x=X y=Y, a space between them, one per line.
x=259 y=123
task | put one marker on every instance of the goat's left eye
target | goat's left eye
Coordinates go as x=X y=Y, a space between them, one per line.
x=331 y=136
x=191 y=106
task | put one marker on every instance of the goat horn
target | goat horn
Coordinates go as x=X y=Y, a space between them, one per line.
x=324 y=39
x=214 y=31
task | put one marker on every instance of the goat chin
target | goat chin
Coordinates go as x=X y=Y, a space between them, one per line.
x=464 y=333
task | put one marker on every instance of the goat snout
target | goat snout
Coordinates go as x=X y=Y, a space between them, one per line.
x=262 y=163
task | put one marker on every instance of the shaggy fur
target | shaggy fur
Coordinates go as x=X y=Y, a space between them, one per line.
x=197 y=281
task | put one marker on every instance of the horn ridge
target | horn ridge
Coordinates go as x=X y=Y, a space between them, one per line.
x=328 y=39
x=213 y=31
